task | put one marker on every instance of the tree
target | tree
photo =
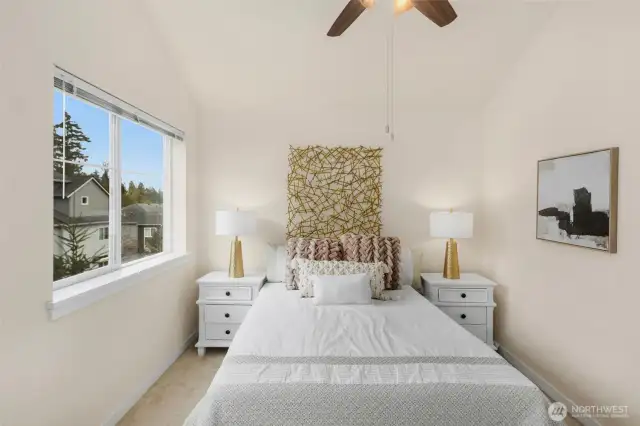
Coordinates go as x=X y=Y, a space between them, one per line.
x=73 y=142
x=74 y=260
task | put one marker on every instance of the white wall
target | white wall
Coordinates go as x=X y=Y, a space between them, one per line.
x=569 y=312
x=269 y=77
x=79 y=369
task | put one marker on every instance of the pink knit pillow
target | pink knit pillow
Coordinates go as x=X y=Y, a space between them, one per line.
x=371 y=248
x=312 y=249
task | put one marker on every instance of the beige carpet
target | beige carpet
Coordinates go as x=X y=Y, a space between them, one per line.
x=177 y=391
x=173 y=396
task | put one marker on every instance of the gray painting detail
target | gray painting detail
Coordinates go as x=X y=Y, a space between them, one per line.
x=575 y=196
x=444 y=404
x=370 y=360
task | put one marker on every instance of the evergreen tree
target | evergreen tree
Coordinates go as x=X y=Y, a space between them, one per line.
x=73 y=141
x=74 y=260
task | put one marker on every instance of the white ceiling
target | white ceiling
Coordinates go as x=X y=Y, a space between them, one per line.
x=253 y=53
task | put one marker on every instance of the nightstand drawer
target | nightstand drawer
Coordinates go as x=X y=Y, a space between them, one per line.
x=225 y=313
x=480 y=331
x=466 y=315
x=215 y=331
x=226 y=293
x=462 y=295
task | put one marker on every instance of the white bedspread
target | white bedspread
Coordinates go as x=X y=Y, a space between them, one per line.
x=401 y=361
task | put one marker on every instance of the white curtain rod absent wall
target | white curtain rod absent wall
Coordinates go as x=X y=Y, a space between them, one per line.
x=84 y=90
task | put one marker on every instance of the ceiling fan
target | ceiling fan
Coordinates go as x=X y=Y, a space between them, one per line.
x=439 y=11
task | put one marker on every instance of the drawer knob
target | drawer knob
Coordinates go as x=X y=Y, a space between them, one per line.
x=463 y=295
x=463 y=316
x=228 y=293
x=226 y=315
x=228 y=332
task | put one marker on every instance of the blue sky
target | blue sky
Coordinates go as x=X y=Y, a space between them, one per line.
x=142 y=156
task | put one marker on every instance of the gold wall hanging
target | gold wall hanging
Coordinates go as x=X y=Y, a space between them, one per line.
x=334 y=191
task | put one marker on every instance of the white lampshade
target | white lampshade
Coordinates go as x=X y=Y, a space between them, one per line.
x=235 y=223
x=451 y=225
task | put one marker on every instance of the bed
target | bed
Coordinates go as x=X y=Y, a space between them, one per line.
x=400 y=362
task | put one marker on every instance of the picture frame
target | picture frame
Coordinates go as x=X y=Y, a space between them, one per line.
x=577 y=199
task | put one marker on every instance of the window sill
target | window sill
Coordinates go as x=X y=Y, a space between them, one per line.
x=69 y=299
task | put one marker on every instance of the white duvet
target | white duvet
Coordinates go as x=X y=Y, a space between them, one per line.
x=401 y=362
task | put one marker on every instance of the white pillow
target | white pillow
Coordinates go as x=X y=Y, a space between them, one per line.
x=341 y=289
x=307 y=268
x=276 y=262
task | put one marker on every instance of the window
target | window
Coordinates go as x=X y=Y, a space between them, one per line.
x=148 y=232
x=119 y=157
x=104 y=233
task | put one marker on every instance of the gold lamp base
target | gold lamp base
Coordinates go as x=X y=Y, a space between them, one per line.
x=451 y=265
x=236 y=269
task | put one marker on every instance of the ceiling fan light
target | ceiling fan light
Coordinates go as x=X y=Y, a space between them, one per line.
x=367 y=3
x=401 y=6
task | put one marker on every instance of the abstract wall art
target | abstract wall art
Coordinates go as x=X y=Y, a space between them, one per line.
x=578 y=199
x=333 y=191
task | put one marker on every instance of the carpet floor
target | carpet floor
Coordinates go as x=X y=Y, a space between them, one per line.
x=170 y=400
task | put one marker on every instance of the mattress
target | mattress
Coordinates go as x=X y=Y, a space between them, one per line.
x=400 y=362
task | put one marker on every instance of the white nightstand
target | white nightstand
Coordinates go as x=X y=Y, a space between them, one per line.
x=468 y=301
x=223 y=303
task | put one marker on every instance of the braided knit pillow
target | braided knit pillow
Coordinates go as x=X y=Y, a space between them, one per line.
x=370 y=248
x=309 y=248
x=307 y=268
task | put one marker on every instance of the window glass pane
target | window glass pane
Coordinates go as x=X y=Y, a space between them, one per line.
x=142 y=149
x=58 y=113
x=142 y=153
x=77 y=242
x=85 y=129
x=142 y=216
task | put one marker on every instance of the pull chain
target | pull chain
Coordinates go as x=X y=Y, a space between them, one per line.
x=390 y=59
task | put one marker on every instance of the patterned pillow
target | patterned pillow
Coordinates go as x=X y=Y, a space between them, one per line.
x=309 y=248
x=370 y=248
x=307 y=268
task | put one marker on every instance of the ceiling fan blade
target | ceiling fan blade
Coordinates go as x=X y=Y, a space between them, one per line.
x=348 y=16
x=439 y=11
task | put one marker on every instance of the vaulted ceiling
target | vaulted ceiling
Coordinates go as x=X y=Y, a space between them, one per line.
x=254 y=53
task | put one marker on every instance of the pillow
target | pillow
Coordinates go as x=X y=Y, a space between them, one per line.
x=406 y=267
x=276 y=263
x=370 y=248
x=306 y=268
x=341 y=289
x=309 y=248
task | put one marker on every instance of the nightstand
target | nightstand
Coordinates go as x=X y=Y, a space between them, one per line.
x=468 y=301
x=223 y=303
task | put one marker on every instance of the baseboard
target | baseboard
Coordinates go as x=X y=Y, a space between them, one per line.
x=131 y=400
x=551 y=391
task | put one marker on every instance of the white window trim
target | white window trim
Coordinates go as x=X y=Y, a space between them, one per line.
x=72 y=298
x=82 y=200
x=79 y=291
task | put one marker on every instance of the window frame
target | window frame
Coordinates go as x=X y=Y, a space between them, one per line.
x=82 y=198
x=114 y=229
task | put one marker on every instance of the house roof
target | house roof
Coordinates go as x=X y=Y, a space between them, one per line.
x=143 y=214
x=72 y=184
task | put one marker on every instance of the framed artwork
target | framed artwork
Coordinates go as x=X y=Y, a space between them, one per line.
x=333 y=191
x=578 y=200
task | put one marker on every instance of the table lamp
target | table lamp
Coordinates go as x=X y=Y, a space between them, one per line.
x=451 y=225
x=235 y=224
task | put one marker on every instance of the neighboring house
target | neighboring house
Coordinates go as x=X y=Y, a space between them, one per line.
x=148 y=217
x=81 y=200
